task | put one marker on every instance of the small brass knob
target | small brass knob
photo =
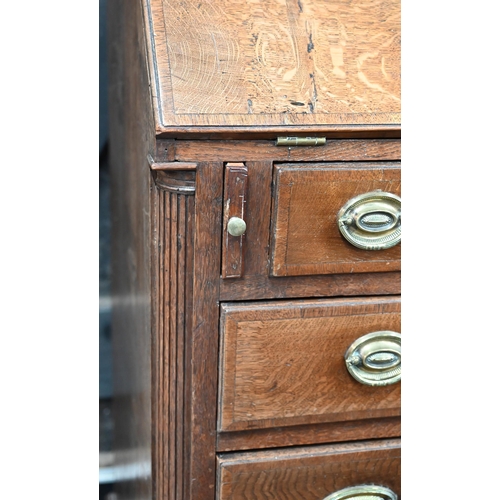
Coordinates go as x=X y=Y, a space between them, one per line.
x=371 y=221
x=375 y=358
x=236 y=226
x=363 y=492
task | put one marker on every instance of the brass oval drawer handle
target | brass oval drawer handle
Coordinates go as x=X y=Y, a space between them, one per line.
x=375 y=358
x=236 y=226
x=364 y=492
x=371 y=221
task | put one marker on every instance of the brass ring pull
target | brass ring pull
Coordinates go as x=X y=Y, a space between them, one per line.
x=364 y=492
x=375 y=359
x=371 y=221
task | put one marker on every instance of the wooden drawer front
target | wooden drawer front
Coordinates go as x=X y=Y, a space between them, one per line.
x=282 y=363
x=307 y=199
x=309 y=473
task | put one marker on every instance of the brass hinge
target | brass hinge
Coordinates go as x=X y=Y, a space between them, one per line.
x=300 y=141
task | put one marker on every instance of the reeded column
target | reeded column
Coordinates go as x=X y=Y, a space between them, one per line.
x=174 y=264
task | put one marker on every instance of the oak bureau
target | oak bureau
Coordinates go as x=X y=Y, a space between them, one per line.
x=255 y=161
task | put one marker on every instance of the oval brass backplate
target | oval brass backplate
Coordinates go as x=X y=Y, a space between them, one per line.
x=363 y=492
x=375 y=359
x=371 y=221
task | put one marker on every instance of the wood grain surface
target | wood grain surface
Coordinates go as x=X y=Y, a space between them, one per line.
x=260 y=150
x=309 y=473
x=331 y=432
x=202 y=350
x=170 y=374
x=184 y=342
x=282 y=363
x=307 y=199
x=133 y=200
x=204 y=70
x=235 y=192
x=257 y=282
x=333 y=285
x=276 y=62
